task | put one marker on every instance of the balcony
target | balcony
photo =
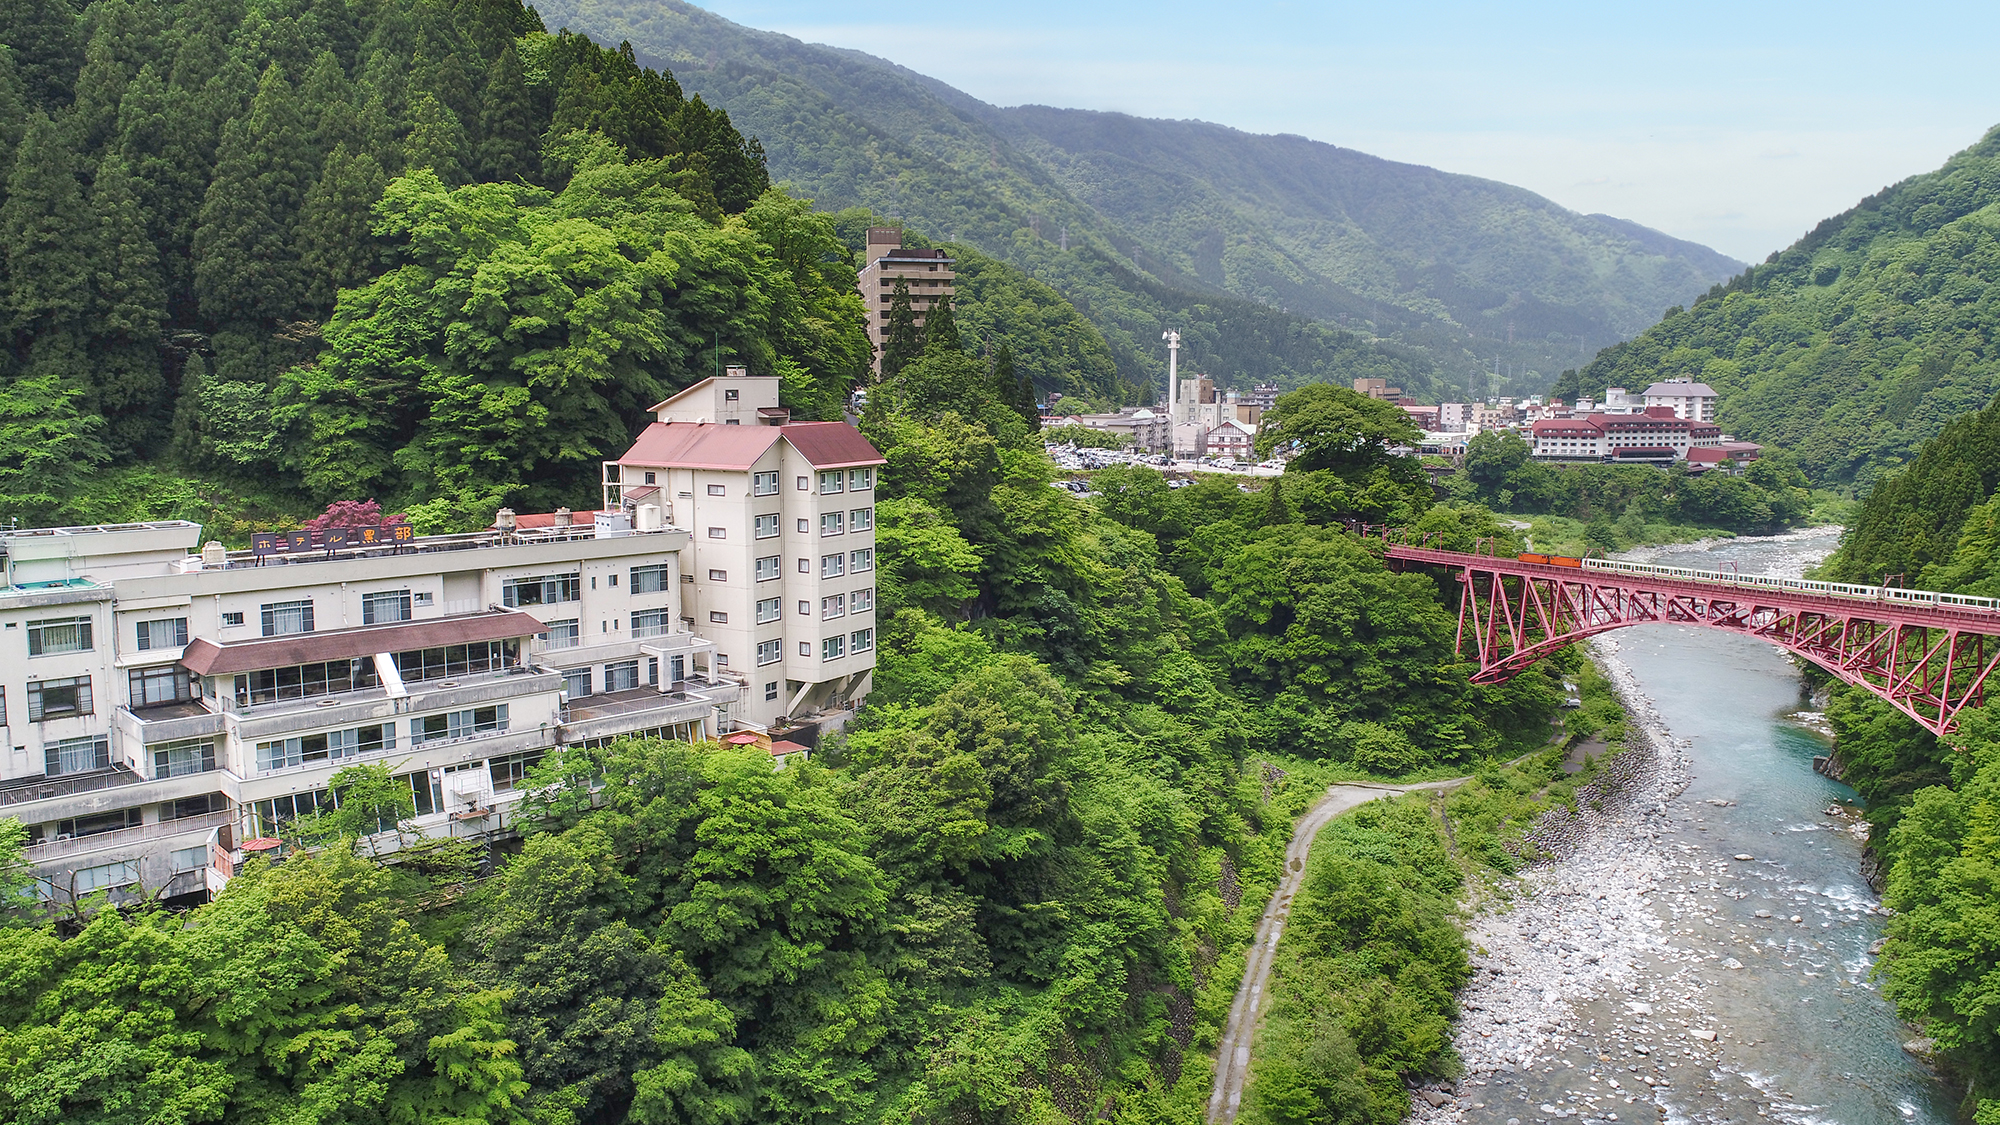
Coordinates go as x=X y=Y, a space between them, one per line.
x=171 y=722
x=264 y=721
x=637 y=709
x=431 y=544
x=55 y=850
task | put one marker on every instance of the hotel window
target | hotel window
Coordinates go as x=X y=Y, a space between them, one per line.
x=576 y=682
x=831 y=523
x=106 y=876
x=863 y=640
x=447 y=661
x=718 y=575
x=563 y=634
x=58 y=699
x=171 y=632
x=833 y=606
x=834 y=565
x=861 y=519
x=718 y=490
x=805 y=484
x=862 y=601
x=305 y=681
x=652 y=623
x=77 y=755
x=547 y=589
x=458 y=724
x=833 y=648
x=63 y=634
x=805 y=648
x=770 y=652
x=805 y=566
x=622 y=676
x=864 y=559
x=763 y=484
x=509 y=772
x=179 y=759
x=730 y=395
x=805 y=526
x=767 y=526
x=282 y=619
x=860 y=480
x=649 y=579
x=831 y=482
x=332 y=746
x=805 y=608
x=767 y=568
x=718 y=617
x=718 y=533
x=771 y=691
x=233 y=618
x=768 y=611
x=384 y=607
x=168 y=683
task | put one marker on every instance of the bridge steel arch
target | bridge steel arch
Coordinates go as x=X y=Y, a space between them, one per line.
x=1929 y=660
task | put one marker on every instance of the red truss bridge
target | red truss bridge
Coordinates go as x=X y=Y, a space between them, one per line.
x=1928 y=654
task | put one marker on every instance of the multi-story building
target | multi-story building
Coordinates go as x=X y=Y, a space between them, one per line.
x=928 y=273
x=780 y=559
x=1146 y=430
x=1378 y=389
x=1688 y=399
x=170 y=710
x=1453 y=416
x=1654 y=435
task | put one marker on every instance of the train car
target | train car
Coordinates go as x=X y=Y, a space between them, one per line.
x=1542 y=559
x=1551 y=560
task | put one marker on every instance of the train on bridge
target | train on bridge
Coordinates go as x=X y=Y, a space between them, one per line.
x=1890 y=594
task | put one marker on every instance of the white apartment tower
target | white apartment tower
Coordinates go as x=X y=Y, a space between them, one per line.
x=780 y=559
x=168 y=714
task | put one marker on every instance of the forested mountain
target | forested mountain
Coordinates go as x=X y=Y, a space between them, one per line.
x=1173 y=219
x=196 y=270
x=1933 y=802
x=1857 y=343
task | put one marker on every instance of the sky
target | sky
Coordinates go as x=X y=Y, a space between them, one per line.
x=1737 y=125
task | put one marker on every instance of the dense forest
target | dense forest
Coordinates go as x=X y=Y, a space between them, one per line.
x=1260 y=249
x=1016 y=890
x=1932 y=803
x=1856 y=344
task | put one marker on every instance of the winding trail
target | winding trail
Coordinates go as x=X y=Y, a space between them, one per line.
x=1232 y=1053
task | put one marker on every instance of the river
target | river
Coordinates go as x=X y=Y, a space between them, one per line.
x=1705 y=958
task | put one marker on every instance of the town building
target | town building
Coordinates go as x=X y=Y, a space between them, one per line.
x=1143 y=429
x=1378 y=389
x=1654 y=436
x=1687 y=398
x=780 y=560
x=1231 y=439
x=927 y=271
x=1453 y=417
x=171 y=710
x=1424 y=417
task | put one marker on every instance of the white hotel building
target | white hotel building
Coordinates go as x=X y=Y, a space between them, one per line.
x=162 y=709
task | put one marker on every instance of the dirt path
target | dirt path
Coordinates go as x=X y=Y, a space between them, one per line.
x=1232 y=1054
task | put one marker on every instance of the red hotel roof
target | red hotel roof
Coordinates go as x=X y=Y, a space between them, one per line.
x=712 y=445
x=207 y=658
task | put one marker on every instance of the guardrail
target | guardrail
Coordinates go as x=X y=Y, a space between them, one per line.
x=101 y=841
x=68 y=786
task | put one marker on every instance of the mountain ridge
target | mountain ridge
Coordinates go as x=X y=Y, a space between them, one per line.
x=1419 y=298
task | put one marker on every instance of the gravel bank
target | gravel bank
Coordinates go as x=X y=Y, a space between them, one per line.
x=1593 y=997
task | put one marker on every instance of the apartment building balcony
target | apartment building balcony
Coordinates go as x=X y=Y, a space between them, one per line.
x=262 y=722
x=66 y=797
x=645 y=708
x=144 y=837
x=167 y=722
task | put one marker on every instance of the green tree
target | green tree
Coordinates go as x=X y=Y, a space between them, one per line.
x=48 y=47
x=246 y=261
x=128 y=387
x=48 y=448
x=922 y=560
x=509 y=143
x=47 y=231
x=900 y=343
x=337 y=245
x=1335 y=428
x=940 y=329
x=436 y=141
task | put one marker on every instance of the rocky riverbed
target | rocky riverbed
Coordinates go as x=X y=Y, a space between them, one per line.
x=1621 y=981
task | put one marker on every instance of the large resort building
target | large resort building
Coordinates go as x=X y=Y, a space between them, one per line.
x=169 y=713
x=928 y=273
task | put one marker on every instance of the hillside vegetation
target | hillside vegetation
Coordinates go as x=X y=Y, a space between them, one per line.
x=1860 y=341
x=1017 y=890
x=1191 y=223
x=1932 y=802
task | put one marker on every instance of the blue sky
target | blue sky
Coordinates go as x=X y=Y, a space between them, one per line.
x=1739 y=125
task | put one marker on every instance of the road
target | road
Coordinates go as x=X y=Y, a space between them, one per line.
x=1232 y=1054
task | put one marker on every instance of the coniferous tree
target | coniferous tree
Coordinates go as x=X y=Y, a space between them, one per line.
x=326 y=100
x=509 y=147
x=900 y=343
x=245 y=264
x=436 y=141
x=45 y=227
x=1015 y=388
x=13 y=115
x=48 y=48
x=336 y=245
x=127 y=386
x=185 y=444
x=162 y=151
x=941 y=327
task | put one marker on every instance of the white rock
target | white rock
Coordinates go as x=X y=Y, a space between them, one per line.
x=1707 y=1036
